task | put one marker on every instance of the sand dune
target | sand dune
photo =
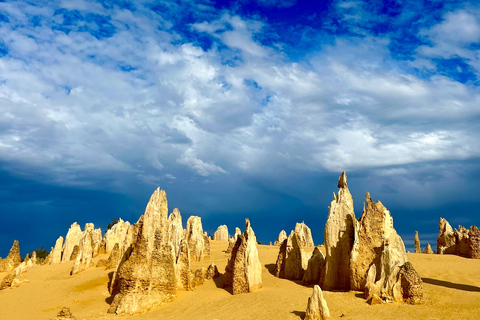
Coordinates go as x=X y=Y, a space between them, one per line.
x=451 y=290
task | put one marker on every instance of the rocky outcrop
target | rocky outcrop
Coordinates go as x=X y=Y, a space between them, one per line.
x=212 y=272
x=7 y=281
x=317 y=308
x=198 y=243
x=446 y=238
x=74 y=235
x=65 y=314
x=339 y=238
x=461 y=241
x=316 y=264
x=146 y=276
x=184 y=277
x=473 y=243
x=304 y=234
x=13 y=259
x=296 y=261
x=281 y=237
x=376 y=239
x=418 y=248
x=285 y=247
x=33 y=259
x=97 y=241
x=428 y=249
x=410 y=284
x=57 y=251
x=114 y=258
x=175 y=229
x=233 y=240
x=85 y=250
x=221 y=234
x=116 y=234
x=243 y=272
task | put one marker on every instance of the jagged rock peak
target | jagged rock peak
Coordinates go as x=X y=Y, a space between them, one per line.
x=317 y=308
x=74 y=235
x=13 y=259
x=342 y=181
x=281 y=237
x=304 y=234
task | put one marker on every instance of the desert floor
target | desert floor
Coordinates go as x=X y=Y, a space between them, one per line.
x=451 y=290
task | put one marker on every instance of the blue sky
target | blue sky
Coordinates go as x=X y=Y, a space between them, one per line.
x=237 y=109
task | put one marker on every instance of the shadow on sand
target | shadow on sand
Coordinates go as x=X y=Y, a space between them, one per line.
x=458 y=286
x=301 y=314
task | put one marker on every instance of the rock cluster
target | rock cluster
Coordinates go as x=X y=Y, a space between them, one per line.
x=339 y=238
x=317 y=308
x=463 y=242
x=304 y=234
x=221 y=234
x=446 y=238
x=86 y=249
x=243 y=272
x=418 y=248
x=292 y=260
x=198 y=242
x=13 y=259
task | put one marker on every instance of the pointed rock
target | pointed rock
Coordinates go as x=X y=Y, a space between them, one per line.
x=114 y=258
x=410 y=284
x=296 y=261
x=74 y=235
x=212 y=272
x=428 y=249
x=57 y=251
x=74 y=254
x=314 y=269
x=13 y=259
x=198 y=243
x=184 y=277
x=461 y=241
x=85 y=250
x=34 y=257
x=233 y=240
x=373 y=230
x=146 y=276
x=304 y=235
x=281 y=258
x=418 y=249
x=339 y=238
x=317 y=308
x=175 y=229
x=7 y=281
x=221 y=234
x=446 y=238
x=281 y=237
x=473 y=243
x=116 y=234
x=243 y=272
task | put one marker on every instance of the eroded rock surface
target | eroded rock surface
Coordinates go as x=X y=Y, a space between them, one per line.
x=316 y=264
x=418 y=248
x=85 y=250
x=198 y=243
x=317 y=308
x=281 y=237
x=221 y=234
x=13 y=259
x=175 y=229
x=57 y=251
x=428 y=249
x=114 y=258
x=74 y=235
x=304 y=234
x=339 y=238
x=116 y=234
x=446 y=238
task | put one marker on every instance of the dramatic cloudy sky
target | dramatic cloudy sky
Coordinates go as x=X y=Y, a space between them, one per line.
x=247 y=108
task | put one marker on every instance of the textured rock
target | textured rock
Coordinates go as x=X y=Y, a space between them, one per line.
x=393 y=256
x=114 y=258
x=74 y=235
x=296 y=261
x=85 y=250
x=116 y=234
x=304 y=234
x=461 y=241
x=428 y=249
x=238 y=232
x=184 y=278
x=13 y=259
x=57 y=251
x=34 y=257
x=418 y=248
x=339 y=238
x=314 y=268
x=371 y=289
x=473 y=243
x=243 y=272
x=374 y=299
x=371 y=274
x=221 y=234
x=96 y=241
x=446 y=238
x=102 y=263
x=281 y=237
x=7 y=281
x=317 y=306
x=199 y=277
x=64 y=314
x=411 y=284
x=198 y=243
x=374 y=230
x=175 y=229
x=146 y=276
x=212 y=272
x=281 y=257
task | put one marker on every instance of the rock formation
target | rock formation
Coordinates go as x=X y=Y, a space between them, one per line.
x=418 y=248
x=446 y=238
x=243 y=272
x=146 y=276
x=221 y=234
x=114 y=258
x=85 y=250
x=7 y=281
x=13 y=259
x=428 y=249
x=212 y=272
x=296 y=261
x=57 y=251
x=304 y=234
x=285 y=247
x=96 y=241
x=64 y=314
x=374 y=231
x=198 y=243
x=281 y=237
x=175 y=229
x=317 y=308
x=184 y=278
x=74 y=235
x=314 y=268
x=339 y=238
x=461 y=241
x=233 y=240
x=410 y=284
x=34 y=257
x=473 y=243
x=116 y=234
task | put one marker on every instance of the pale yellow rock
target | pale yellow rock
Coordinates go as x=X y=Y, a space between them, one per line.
x=281 y=237
x=446 y=238
x=339 y=238
x=85 y=250
x=304 y=234
x=196 y=239
x=175 y=229
x=317 y=308
x=13 y=259
x=221 y=234
x=315 y=265
x=74 y=235
x=296 y=261
x=116 y=234
x=418 y=248
x=57 y=251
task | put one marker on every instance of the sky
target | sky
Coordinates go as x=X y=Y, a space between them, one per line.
x=238 y=109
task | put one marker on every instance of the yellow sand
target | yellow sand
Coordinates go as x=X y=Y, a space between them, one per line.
x=451 y=289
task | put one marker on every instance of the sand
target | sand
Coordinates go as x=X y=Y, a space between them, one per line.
x=451 y=289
